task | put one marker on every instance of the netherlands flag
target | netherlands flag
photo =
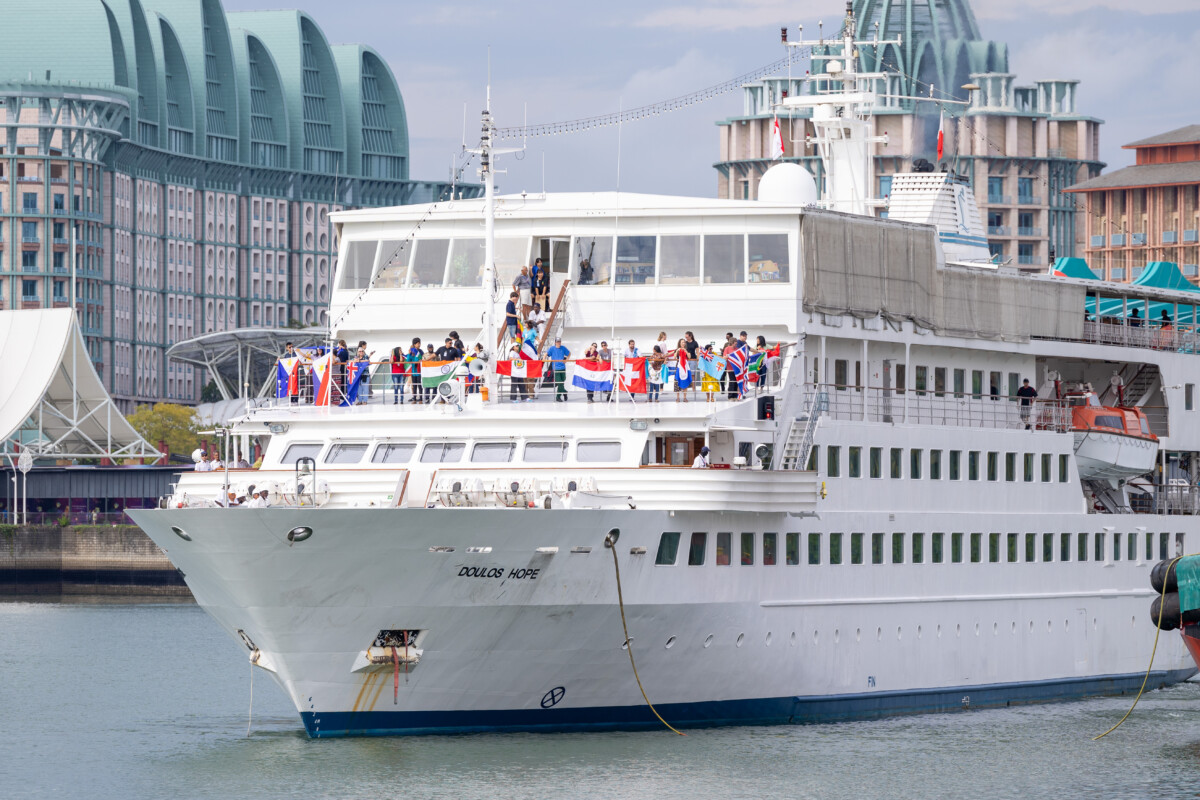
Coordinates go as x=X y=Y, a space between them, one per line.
x=593 y=376
x=683 y=373
x=287 y=377
x=518 y=368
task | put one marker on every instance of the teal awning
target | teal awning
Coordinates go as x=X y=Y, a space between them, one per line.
x=1165 y=275
x=1075 y=268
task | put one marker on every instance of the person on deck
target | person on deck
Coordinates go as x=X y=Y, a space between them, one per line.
x=541 y=287
x=398 y=374
x=592 y=354
x=523 y=286
x=673 y=356
x=701 y=461
x=654 y=374
x=731 y=382
x=510 y=315
x=414 y=370
x=708 y=384
x=1027 y=394
x=558 y=355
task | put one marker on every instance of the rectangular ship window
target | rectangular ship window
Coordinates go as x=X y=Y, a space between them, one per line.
x=814 y=548
x=856 y=548
x=813 y=458
x=1116 y=547
x=833 y=467
x=935 y=465
x=393 y=453
x=1163 y=541
x=1082 y=549
x=956 y=549
x=696 y=551
x=976 y=548
x=937 y=549
x=921 y=380
x=792 y=549
x=1131 y=551
x=668 y=549
x=442 y=452
x=955 y=465
x=835 y=548
x=973 y=465
x=493 y=452
x=598 y=451
x=977 y=382
x=897 y=548
x=747 y=549
x=855 y=459
x=1046 y=476
x=545 y=452
x=993 y=548
x=994 y=384
x=346 y=453
x=1047 y=547
x=993 y=465
x=296 y=452
x=918 y=548
x=1062 y=469
x=1064 y=547
x=1149 y=546
x=1012 y=548
x=1030 y=547
x=1098 y=547
x=1028 y=467
x=897 y=461
x=1010 y=466
x=876 y=548
x=914 y=463
x=876 y=462
x=840 y=373
x=939 y=381
x=960 y=382
x=769 y=540
x=724 y=543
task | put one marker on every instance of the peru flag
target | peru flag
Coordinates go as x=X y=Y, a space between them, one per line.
x=518 y=368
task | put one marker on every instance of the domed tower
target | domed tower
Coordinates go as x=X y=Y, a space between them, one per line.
x=941 y=43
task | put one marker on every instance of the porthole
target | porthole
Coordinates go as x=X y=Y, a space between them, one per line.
x=767 y=641
x=181 y=533
x=708 y=641
x=741 y=638
x=670 y=643
x=299 y=533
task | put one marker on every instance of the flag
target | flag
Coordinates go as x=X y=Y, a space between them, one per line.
x=435 y=372
x=941 y=134
x=518 y=368
x=633 y=375
x=774 y=351
x=357 y=373
x=593 y=376
x=713 y=365
x=287 y=377
x=753 y=367
x=683 y=373
x=737 y=361
x=529 y=350
x=322 y=370
x=777 y=141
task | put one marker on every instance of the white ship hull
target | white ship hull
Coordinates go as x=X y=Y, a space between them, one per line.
x=524 y=638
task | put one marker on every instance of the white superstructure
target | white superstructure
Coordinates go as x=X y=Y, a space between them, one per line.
x=891 y=532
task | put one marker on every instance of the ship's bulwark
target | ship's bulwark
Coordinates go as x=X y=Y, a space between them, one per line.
x=518 y=636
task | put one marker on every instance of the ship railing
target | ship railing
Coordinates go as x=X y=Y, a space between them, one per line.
x=385 y=388
x=941 y=408
x=1153 y=335
x=64 y=518
x=1171 y=499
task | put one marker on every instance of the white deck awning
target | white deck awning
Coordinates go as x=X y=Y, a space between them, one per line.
x=52 y=402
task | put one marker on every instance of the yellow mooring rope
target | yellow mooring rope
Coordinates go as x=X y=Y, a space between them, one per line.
x=610 y=542
x=1158 y=630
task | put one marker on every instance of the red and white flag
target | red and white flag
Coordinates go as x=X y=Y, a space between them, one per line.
x=941 y=134
x=633 y=375
x=518 y=368
x=776 y=141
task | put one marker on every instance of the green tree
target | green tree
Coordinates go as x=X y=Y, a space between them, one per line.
x=210 y=393
x=174 y=424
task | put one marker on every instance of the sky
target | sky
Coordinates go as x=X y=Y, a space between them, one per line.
x=555 y=61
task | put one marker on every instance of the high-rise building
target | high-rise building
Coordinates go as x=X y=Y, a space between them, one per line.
x=1018 y=146
x=181 y=163
x=1147 y=212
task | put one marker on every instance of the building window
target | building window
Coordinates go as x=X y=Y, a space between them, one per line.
x=1025 y=190
x=885 y=186
x=747 y=549
x=995 y=188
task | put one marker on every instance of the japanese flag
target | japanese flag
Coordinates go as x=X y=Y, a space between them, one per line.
x=777 y=141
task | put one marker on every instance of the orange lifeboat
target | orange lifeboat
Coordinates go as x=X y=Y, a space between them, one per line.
x=1111 y=442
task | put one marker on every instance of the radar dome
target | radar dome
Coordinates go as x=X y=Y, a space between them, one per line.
x=787 y=183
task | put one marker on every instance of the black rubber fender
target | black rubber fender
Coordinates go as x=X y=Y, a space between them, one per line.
x=1164 y=570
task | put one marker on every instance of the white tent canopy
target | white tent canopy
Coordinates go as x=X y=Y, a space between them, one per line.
x=52 y=402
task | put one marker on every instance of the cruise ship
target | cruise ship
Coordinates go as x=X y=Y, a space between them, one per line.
x=887 y=522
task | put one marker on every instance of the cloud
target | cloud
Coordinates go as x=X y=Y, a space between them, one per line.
x=739 y=14
x=1032 y=9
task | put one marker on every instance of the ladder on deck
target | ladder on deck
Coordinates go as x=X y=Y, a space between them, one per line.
x=804 y=428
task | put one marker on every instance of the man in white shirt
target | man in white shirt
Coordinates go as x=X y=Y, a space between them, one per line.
x=701 y=461
x=203 y=465
x=217 y=463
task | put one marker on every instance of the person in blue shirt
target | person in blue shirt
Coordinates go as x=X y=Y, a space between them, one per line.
x=414 y=373
x=510 y=316
x=558 y=355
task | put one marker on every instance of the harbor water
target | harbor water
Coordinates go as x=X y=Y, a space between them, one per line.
x=126 y=700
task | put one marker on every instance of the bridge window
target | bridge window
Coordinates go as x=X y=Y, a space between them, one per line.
x=296 y=452
x=358 y=265
x=393 y=453
x=393 y=270
x=443 y=452
x=679 y=260
x=346 y=453
x=635 y=259
x=593 y=452
x=493 y=452
x=668 y=549
x=769 y=261
x=696 y=550
x=545 y=452
x=724 y=544
x=725 y=259
x=429 y=262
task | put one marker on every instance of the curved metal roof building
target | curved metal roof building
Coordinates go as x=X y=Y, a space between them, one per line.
x=168 y=170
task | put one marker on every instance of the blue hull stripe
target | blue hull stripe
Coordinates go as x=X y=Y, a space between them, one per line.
x=764 y=711
x=963 y=238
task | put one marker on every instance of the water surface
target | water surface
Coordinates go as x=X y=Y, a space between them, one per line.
x=127 y=701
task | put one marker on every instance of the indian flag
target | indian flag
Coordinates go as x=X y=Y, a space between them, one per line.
x=518 y=368
x=435 y=372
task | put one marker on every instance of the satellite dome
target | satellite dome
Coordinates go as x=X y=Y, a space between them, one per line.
x=789 y=184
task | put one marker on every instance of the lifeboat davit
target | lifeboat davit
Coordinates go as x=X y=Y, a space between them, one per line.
x=1111 y=442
